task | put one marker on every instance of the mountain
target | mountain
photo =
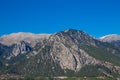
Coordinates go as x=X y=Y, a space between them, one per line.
x=21 y=42
x=113 y=39
x=22 y=36
x=110 y=38
x=65 y=53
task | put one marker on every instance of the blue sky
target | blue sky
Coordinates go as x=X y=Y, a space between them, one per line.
x=96 y=17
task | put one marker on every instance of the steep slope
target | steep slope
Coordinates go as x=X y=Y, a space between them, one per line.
x=21 y=42
x=19 y=48
x=66 y=53
x=66 y=50
x=5 y=51
x=56 y=51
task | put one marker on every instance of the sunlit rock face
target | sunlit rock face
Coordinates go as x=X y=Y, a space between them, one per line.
x=65 y=49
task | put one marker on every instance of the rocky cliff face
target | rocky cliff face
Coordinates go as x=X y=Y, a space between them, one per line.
x=19 y=48
x=65 y=48
x=21 y=42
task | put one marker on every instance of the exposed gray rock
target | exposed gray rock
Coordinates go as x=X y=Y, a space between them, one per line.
x=20 y=48
x=110 y=66
x=64 y=48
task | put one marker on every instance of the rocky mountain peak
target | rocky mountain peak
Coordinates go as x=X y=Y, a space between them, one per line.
x=64 y=47
x=73 y=36
x=73 y=30
x=72 y=33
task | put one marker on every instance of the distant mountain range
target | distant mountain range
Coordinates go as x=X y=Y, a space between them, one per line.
x=113 y=39
x=110 y=38
x=65 y=53
x=22 y=36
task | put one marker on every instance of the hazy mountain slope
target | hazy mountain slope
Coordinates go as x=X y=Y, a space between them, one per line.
x=110 y=38
x=113 y=39
x=22 y=36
